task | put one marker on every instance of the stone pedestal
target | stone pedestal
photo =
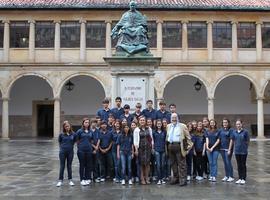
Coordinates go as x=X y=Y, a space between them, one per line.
x=133 y=78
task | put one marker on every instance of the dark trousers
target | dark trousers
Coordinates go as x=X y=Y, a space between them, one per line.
x=189 y=158
x=135 y=167
x=206 y=164
x=63 y=157
x=241 y=165
x=178 y=163
x=199 y=166
x=96 y=168
x=85 y=160
x=106 y=164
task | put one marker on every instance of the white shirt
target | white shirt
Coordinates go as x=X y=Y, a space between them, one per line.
x=136 y=136
x=174 y=132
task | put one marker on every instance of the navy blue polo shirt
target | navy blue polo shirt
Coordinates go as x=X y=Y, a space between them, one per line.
x=110 y=127
x=137 y=115
x=129 y=118
x=95 y=135
x=159 y=141
x=66 y=142
x=150 y=114
x=212 y=137
x=117 y=112
x=103 y=114
x=115 y=137
x=225 y=135
x=125 y=142
x=105 y=139
x=199 y=141
x=84 y=140
x=168 y=117
x=241 y=141
x=161 y=115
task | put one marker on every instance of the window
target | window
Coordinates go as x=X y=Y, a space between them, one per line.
x=70 y=34
x=152 y=34
x=266 y=35
x=44 y=34
x=197 y=35
x=246 y=35
x=96 y=34
x=172 y=35
x=19 y=34
x=1 y=35
x=222 y=35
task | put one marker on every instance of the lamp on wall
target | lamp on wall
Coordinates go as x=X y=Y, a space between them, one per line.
x=197 y=85
x=69 y=86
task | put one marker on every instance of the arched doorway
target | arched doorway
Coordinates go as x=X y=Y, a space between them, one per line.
x=82 y=100
x=189 y=95
x=31 y=108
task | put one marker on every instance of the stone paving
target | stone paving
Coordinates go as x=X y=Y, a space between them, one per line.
x=29 y=170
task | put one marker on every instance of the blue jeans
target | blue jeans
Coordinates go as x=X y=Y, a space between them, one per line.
x=116 y=164
x=160 y=162
x=85 y=159
x=63 y=157
x=227 y=160
x=126 y=163
x=213 y=157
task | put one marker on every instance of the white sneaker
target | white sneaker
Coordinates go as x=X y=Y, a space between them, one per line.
x=238 y=182
x=243 y=182
x=130 y=182
x=137 y=180
x=214 y=179
x=83 y=183
x=230 y=179
x=163 y=182
x=59 y=184
x=97 y=180
x=88 y=182
x=159 y=182
x=225 y=179
x=199 y=178
x=210 y=178
x=102 y=180
x=123 y=182
x=188 y=178
x=71 y=183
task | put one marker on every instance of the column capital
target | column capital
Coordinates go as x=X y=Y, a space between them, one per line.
x=6 y=21
x=108 y=21
x=260 y=98
x=5 y=99
x=31 y=21
x=234 y=22
x=209 y=22
x=184 y=21
x=210 y=98
x=82 y=21
x=58 y=21
x=259 y=22
x=57 y=99
x=159 y=21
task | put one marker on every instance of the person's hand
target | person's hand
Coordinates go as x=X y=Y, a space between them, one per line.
x=94 y=152
x=118 y=156
x=203 y=153
x=194 y=153
x=229 y=152
x=132 y=155
x=136 y=153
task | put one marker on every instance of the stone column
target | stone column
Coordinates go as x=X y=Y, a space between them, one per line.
x=159 y=38
x=234 y=42
x=108 y=38
x=260 y=117
x=184 y=40
x=57 y=41
x=210 y=40
x=211 y=114
x=259 y=41
x=56 y=117
x=5 y=118
x=31 y=51
x=6 y=41
x=151 y=87
x=83 y=41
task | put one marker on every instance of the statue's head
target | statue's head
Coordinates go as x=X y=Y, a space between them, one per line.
x=132 y=5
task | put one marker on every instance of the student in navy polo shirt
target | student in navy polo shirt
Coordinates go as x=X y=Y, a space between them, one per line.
x=226 y=145
x=104 y=112
x=95 y=144
x=105 y=147
x=125 y=152
x=172 y=108
x=199 y=150
x=111 y=121
x=117 y=111
x=84 y=145
x=162 y=112
x=212 y=147
x=150 y=112
x=241 y=142
x=116 y=162
x=159 y=137
x=98 y=122
x=66 y=141
x=127 y=115
x=137 y=112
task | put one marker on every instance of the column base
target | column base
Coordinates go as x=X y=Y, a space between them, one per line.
x=4 y=138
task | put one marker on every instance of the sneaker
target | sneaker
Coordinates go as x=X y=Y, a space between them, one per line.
x=199 y=178
x=97 y=180
x=205 y=176
x=123 y=182
x=214 y=179
x=59 y=184
x=83 y=183
x=102 y=180
x=71 y=183
x=159 y=182
x=130 y=182
x=225 y=179
x=238 y=182
x=154 y=178
x=137 y=180
x=88 y=182
x=163 y=182
x=188 y=178
x=243 y=182
x=210 y=178
x=230 y=179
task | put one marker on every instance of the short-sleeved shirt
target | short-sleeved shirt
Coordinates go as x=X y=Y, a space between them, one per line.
x=241 y=140
x=225 y=135
x=129 y=118
x=84 y=140
x=161 y=115
x=149 y=114
x=66 y=142
x=103 y=114
x=212 y=137
x=159 y=141
x=115 y=137
x=125 y=142
x=199 y=141
x=117 y=112
x=95 y=135
x=105 y=139
x=137 y=115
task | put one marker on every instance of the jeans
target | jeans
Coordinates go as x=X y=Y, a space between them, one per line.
x=63 y=157
x=160 y=164
x=106 y=164
x=85 y=159
x=199 y=166
x=189 y=159
x=96 y=169
x=116 y=164
x=126 y=163
x=241 y=165
x=213 y=157
x=227 y=160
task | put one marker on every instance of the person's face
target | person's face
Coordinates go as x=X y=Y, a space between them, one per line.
x=138 y=109
x=173 y=109
x=126 y=129
x=133 y=126
x=124 y=122
x=105 y=105
x=190 y=127
x=200 y=127
x=110 y=120
x=162 y=107
x=164 y=124
x=86 y=123
x=149 y=105
x=205 y=123
x=67 y=127
x=225 y=124
x=159 y=124
x=117 y=125
x=103 y=126
x=174 y=119
x=149 y=123
x=194 y=124
x=238 y=125
x=142 y=121
x=94 y=125
x=126 y=111
x=212 y=124
x=118 y=103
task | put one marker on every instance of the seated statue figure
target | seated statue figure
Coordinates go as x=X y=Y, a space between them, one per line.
x=131 y=32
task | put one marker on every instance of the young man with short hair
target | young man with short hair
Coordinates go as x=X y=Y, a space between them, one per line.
x=104 y=112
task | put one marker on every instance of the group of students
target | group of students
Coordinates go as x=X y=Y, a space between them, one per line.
x=132 y=147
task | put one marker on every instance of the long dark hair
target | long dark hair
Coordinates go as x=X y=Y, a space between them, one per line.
x=85 y=119
x=215 y=127
x=64 y=129
x=229 y=123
